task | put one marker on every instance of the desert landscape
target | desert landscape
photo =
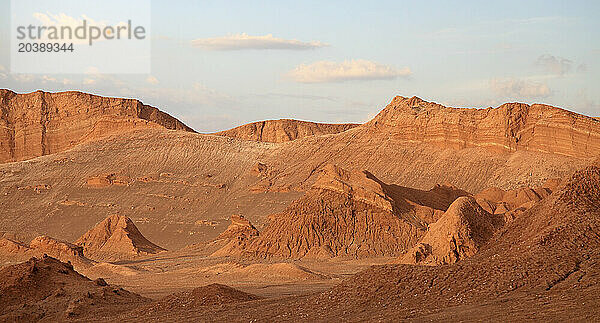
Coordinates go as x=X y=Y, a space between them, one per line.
x=113 y=210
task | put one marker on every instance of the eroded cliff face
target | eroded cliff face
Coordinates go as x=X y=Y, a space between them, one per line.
x=350 y=214
x=508 y=128
x=283 y=130
x=41 y=123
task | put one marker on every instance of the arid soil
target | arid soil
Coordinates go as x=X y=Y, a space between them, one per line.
x=45 y=289
x=424 y=213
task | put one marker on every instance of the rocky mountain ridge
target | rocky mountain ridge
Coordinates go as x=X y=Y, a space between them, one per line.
x=41 y=123
x=507 y=128
x=284 y=130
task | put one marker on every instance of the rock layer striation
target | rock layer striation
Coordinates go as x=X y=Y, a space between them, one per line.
x=41 y=123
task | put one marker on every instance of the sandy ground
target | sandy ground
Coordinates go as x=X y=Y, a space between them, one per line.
x=170 y=272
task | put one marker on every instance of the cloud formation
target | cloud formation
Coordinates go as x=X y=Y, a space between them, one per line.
x=349 y=70
x=554 y=64
x=40 y=79
x=587 y=104
x=152 y=80
x=519 y=89
x=245 y=41
x=63 y=20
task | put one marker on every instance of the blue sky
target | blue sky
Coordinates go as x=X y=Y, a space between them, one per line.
x=215 y=66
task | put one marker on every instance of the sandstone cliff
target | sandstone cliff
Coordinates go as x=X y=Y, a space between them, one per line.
x=283 y=130
x=42 y=123
x=508 y=128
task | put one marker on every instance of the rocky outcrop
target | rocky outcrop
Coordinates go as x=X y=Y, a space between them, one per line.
x=14 y=251
x=546 y=261
x=116 y=238
x=510 y=203
x=56 y=248
x=42 y=123
x=54 y=291
x=106 y=180
x=283 y=130
x=508 y=128
x=240 y=227
x=347 y=213
x=9 y=247
x=355 y=184
x=235 y=237
x=457 y=235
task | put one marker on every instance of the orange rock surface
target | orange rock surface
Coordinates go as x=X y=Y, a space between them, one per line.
x=116 y=238
x=349 y=213
x=42 y=123
x=457 y=235
x=510 y=127
x=283 y=130
x=237 y=235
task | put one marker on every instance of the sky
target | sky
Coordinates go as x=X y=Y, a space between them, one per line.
x=219 y=64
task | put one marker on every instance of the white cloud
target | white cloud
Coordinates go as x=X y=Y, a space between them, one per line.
x=541 y=20
x=46 y=80
x=94 y=77
x=152 y=80
x=554 y=64
x=63 y=20
x=92 y=70
x=245 y=41
x=519 y=89
x=358 y=69
x=193 y=97
x=24 y=78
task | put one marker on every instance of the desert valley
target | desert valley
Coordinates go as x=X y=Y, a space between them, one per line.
x=112 y=210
